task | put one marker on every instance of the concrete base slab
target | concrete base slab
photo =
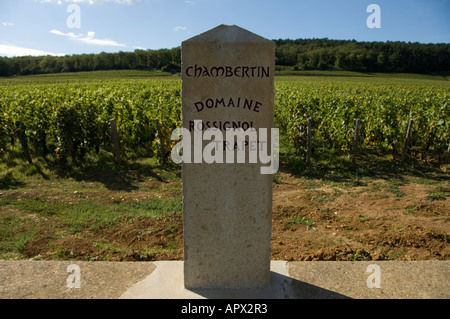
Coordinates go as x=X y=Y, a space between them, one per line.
x=166 y=282
x=27 y=279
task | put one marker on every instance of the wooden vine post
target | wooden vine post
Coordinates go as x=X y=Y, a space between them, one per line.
x=408 y=138
x=356 y=142
x=21 y=135
x=309 y=144
x=115 y=140
x=161 y=141
x=447 y=157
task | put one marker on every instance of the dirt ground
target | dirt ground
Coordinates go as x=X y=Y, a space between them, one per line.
x=311 y=221
x=360 y=224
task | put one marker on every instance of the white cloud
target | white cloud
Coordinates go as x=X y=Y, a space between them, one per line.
x=129 y=2
x=69 y=35
x=179 y=29
x=13 y=50
x=88 y=39
x=7 y=23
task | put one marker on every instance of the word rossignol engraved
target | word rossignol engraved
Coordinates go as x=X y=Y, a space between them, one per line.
x=254 y=144
x=221 y=125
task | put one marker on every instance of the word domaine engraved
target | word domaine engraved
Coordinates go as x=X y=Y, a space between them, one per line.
x=248 y=104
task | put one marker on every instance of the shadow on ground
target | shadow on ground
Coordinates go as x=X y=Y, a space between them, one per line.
x=118 y=177
x=8 y=181
x=281 y=287
x=367 y=166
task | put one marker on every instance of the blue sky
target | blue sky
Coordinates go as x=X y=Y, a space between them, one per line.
x=40 y=27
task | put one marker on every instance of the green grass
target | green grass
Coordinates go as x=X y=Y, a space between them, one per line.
x=321 y=196
x=360 y=77
x=410 y=209
x=291 y=72
x=308 y=222
x=15 y=232
x=153 y=206
x=439 y=193
x=363 y=219
x=90 y=215
x=360 y=255
x=85 y=76
x=393 y=189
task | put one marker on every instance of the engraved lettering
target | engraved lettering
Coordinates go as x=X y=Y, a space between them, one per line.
x=228 y=71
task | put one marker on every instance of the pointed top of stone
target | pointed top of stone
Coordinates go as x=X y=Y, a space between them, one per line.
x=227 y=33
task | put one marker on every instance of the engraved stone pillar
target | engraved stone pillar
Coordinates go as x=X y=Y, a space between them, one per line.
x=227 y=82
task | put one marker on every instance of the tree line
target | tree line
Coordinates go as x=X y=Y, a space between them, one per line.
x=300 y=54
x=164 y=59
x=350 y=55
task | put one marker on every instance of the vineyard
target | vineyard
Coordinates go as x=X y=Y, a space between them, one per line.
x=64 y=194
x=70 y=117
x=384 y=110
x=72 y=120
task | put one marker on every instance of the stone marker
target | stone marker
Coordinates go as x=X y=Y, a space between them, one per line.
x=227 y=83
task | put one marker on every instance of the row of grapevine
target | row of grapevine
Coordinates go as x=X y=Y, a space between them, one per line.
x=76 y=117
x=384 y=111
x=72 y=118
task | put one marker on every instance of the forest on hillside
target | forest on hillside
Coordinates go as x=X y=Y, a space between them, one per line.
x=300 y=54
